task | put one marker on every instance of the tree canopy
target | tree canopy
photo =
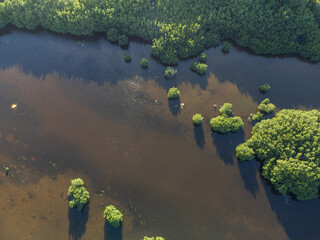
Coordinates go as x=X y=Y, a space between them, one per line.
x=288 y=146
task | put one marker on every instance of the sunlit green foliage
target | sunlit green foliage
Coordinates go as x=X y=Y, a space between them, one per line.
x=244 y=153
x=266 y=107
x=198 y=67
x=152 y=238
x=180 y=29
x=256 y=117
x=197 y=119
x=264 y=87
x=173 y=93
x=144 y=63
x=127 y=58
x=288 y=146
x=226 y=109
x=78 y=194
x=226 y=46
x=170 y=73
x=123 y=40
x=113 y=216
x=202 y=58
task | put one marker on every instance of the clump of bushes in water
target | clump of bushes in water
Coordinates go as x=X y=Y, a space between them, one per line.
x=173 y=93
x=127 y=58
x=170 y=73
x=112 y=34
x=202 y=58
x=197 y=119
x=264 y=88
x=199 y=68
x=78 y=194
x=226 y=123
x=266 y=107
x=288 y=147
x=144 y=63
x=152 y=238
x=113 y=216
x=256 y=117
x=123 y=40
x=226 y=46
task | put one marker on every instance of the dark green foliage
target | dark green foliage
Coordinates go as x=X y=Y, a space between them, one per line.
x=127 y=58
x=288 y=146
x=112 y=35
x=256 y=117
x=226 y=109
x=244 y=153
x=144 y=63
x=123 y=40
x=152 y=238
x=170 y=73
x=113 y=216
x=224 y=124
x=266 y=107
x=78 y=194
x=197 y=119
x=173 y=93
x=264 y=87
x=198 y=67
x=202 y=58
x=180 y=29
x=226 y=46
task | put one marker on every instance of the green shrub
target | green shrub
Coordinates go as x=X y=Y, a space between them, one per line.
x=202 y=58
x=173 y=93
x=244 y=153
x=198 y=67
x=144 y=63
x=256 y=117
x=288 y=147
x=226 y=46
x=123 y=40
x=170 y=73
x=224 y=124
x=112 y=34
x=78 y=194
x=226 y=109
x=113 y=216
x=266 y=107
x=264 y=87
x=197 y=119
x=127 y=58
x=152 y=238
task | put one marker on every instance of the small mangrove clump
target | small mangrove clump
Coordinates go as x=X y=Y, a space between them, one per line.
x=144 y=63
x=197 y=119
x=199 y=68
x=226 y=46
x=225 y=122
x=264 y=88
x=173 y=93
x=113 y=216
x=152 y=238
x=255 y=117
x=170 y=73
x=78 y=194
x=244 y=153
x=127 y=58
x=112 y=35
x=202 y=58
x=266 y=107
x=123 y=40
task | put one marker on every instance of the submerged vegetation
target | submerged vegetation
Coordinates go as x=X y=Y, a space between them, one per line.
x=288 y=146
x=225 y=122
x=173 y=93
x=78 y=194
x=113 y=216
x=266 y=27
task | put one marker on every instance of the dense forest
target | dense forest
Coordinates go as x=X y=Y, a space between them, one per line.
x=180 y=28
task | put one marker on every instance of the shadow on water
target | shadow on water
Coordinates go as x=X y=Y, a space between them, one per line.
x=111 y=233
x=174 y=106
x=226 y=144
x=77 y=222
x=199 y=135
x=248 y=171
x=299 y=218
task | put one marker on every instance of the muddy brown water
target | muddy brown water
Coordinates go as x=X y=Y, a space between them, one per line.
x=83 y=112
